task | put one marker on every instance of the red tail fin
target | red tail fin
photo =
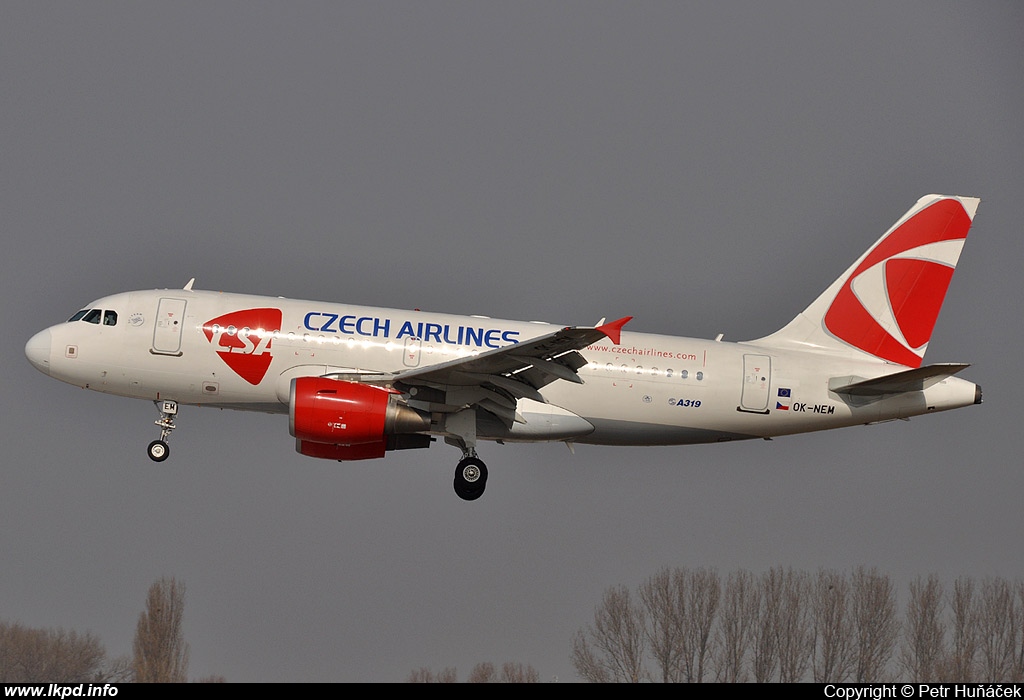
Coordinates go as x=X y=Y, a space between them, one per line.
x=886 y=303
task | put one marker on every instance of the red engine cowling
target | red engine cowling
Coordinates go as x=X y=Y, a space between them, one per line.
x=341 y=420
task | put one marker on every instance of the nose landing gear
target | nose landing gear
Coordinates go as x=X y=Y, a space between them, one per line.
x=158 y=450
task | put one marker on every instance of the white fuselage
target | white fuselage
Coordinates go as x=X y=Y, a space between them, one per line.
x=188 y=346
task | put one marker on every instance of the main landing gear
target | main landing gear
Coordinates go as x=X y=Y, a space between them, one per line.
x=158 y=449
x=470 y=478
x=470 y=472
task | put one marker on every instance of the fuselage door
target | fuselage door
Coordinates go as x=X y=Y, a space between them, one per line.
x=757 y=377
x=170 y=319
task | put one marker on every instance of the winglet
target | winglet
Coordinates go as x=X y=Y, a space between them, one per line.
x=613 y=329
x=188 y=286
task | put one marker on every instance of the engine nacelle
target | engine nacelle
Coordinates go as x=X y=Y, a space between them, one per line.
x=341 y=420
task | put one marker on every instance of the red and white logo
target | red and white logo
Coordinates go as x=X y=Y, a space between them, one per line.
x=889 y=304
x=243 y=340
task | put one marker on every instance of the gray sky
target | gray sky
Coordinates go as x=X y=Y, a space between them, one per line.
x=705 y=167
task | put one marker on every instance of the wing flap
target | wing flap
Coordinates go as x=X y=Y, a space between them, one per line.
x=518 y=389
x=521 y=368
x=553 y=367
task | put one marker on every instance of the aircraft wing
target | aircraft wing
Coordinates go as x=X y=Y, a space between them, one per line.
x=515 y=371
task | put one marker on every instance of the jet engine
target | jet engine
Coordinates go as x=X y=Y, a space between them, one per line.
x=333 y=419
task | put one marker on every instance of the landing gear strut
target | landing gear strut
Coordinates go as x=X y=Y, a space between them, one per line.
x=158 y=449
x=470 y=472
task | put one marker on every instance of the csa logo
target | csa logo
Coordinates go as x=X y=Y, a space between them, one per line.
x=243 y=340
x=889 y=305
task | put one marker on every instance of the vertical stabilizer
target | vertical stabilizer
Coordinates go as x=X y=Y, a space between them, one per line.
x=886 y=304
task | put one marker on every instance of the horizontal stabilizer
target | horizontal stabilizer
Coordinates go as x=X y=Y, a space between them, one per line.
x=899 y=383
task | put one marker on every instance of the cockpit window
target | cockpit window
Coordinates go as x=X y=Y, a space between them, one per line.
x=97 y=316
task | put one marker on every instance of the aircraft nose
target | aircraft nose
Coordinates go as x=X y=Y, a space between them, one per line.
x=37 y=350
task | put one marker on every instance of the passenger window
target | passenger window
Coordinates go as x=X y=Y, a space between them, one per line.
x=668 y=373
x=109 y=318
x=684 y=374
x=93 y=316
x=700 y=376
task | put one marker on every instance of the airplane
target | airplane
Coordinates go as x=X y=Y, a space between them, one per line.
x=359 y=381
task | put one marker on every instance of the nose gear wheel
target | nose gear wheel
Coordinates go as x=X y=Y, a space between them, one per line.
x=158 y=450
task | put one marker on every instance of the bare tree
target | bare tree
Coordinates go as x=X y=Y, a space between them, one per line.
x=702 y=591
x=737 y=620
x=999 y=627
x=160 y=651
x=117 y=670
x=924 y=635
x=585 y=660
x=875 y=626
x=425 y=675
x=1017 y=673
x=665 y=626
x=483 y=673
x=765 y=650
x=613 y=648
x=517 y=673
x=795 y=627
x=959 y=666
x=787 y=626
x=833 y=628
x=680 y=607
x=420 y=675
x=43 y=655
